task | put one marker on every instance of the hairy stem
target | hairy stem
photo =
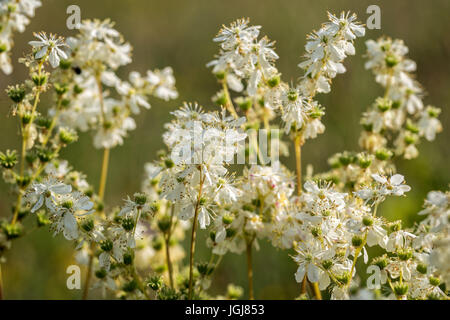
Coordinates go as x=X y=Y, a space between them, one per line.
x=298 y=162
x=25 y=134
x=304 y=283
x=104 y=174
x=357 y=252
x=250 y=270
x=316 y=290
x=229 y=104
x=167 y=242
x=1 y=282
x=89 y=273
x=194 y=227
x=102 y=185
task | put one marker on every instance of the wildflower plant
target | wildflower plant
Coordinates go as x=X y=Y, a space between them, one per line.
x=325 y=221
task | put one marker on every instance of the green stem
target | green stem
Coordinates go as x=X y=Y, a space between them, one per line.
x=298 y=162
x=104 y=174
x=1 y=282
x=25 y=134
x=250 y=270
x=357 y=252
x=316 y=290
x=194 y=227
x=167 y=243
x=229 y=104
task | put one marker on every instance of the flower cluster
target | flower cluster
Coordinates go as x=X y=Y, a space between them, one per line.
x=200 y=145
x=112 y=242
x=401 y=110
x=96 y=53
x=416 y=263
x=14 y=17
x=326 y=50
x=334 y=230
x=328 y=220
x=255 y=213
x=64 y=206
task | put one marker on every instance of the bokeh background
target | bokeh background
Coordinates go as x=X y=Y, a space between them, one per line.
x=179 y=33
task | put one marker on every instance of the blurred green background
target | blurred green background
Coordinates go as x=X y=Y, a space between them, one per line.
x=179 y=33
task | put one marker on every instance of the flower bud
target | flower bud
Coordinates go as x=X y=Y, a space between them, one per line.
x=433 y=112
x=391 y=60
x=130 y=286
x=39 y=80
x=220 y=99
x=12 y=231
x=60 y=89
x=380 y=262
x=401 y=289
x=169 y=163
x=106 y=245
x=45 y=155
x=434 y=281
x=357 y=241
x=9 y=159
x=67 y=136
x=383 y=154
x=244 y=104
x=204 y=269
x=230 y=232
x=422 y=268
x=327 y=264
x=367 y=221
x=128 y=224
x=227 y=219
x=88 y=225
x=128 y=258
x=157 y=244
x=16 y=93
x=364 y=161
x=43 y=122
x=164 y=223
x=100 y=273
x=274 y=81
x=155 y=283
x=42 y=219
x=65 y=64
x=140 y=199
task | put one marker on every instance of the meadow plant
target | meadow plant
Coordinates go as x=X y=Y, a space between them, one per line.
x=324 y=221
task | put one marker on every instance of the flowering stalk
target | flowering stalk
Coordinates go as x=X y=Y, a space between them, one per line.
x=25 y=136
x=1 y=283
x=193 y=234
x=167 y=236
x=250 y=270
x=228 y=104
x=298 y=162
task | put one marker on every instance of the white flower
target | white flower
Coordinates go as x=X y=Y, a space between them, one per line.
x=384 y=186
x=345 y=24
x=237 y=32
x=393 y=185
x=428 y=124
x=308 y=258
x=47 y=192
x=164 y=83
x=49 y=46
x=68 y=207
x=295 y=109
